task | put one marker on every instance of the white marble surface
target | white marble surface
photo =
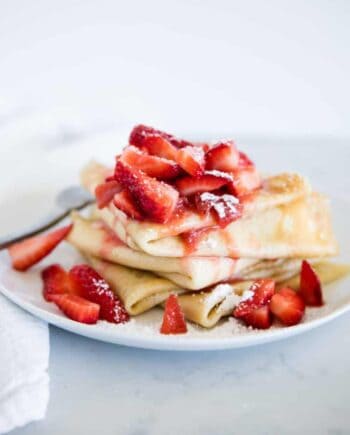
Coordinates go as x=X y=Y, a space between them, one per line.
x=298 y=386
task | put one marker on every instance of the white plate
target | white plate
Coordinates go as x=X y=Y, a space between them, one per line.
x=24 y=289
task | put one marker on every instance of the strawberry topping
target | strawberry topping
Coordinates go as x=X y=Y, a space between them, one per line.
x=95 y=289
x=152 y=165
x=173 y=318
x=105 y=192
x=209 y=181
x=310 y=286
x=141 y=133
x=77 y=308
x=125 y=203
x=245 y=180
x=224 y=156
x=191 y=159
x=226 y=208
x=155 y=199
x=287 y=306
x=30 y=251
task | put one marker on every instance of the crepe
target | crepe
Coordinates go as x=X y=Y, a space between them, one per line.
x=139 y=290
x=284 y=219
x=93 y=238
x=207 y=308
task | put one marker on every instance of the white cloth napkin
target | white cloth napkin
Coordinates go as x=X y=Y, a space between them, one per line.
x=24 y=357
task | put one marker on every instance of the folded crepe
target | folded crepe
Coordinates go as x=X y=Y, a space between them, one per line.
x=283 y=219
x=94 y=238
x=140 y=290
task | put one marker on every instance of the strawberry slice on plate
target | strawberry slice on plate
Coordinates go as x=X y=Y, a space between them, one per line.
x=153 y=166
x=105 y=192
x=310 y=286
x=56 y=281
x=287 y=306
x=77 y=308
x=192 y=160
x=155 y=199
x=125 y=203
x=260 y=318
x=30 y=251
x=223 y=156
x=173 y=318
x=263 y=290
x=209 y=181
x=226 y=208
x=94 y=288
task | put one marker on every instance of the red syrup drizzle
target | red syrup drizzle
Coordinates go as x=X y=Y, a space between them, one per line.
x=192 y=238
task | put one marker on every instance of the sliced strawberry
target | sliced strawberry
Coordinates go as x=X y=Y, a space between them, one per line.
x=30 y=251
x=244 y=160
x=142 y=132
x=155 y=141
x=56 y=281
x=263 y=290
x=125 y=203
x=287 y=306
x=310 y=286
x=192 y=160
x=227 y=208
x=153 y=166
x=173 y=318
x=77 y=308
x=105 y=192
x=224 y=156
x=95 y=289
x=245 y=180
x=260 y=318
x=155 y=199
x=210 y=180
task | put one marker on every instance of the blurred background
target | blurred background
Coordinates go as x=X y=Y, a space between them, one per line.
x=78 y=74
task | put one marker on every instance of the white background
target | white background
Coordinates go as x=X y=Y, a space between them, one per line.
x=74 y=77
x=223 y=67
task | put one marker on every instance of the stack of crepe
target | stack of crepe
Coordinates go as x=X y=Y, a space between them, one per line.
x=282 y=223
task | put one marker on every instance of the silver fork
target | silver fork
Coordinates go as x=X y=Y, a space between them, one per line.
x=72 y=198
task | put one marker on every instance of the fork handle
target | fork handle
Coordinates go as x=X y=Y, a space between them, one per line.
x=48 y=223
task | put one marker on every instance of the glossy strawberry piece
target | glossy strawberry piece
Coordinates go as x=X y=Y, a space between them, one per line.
x=310 y=286
x=263 y=290
x=259 y=318
x=209 y=181
x=125 y=203
x=95 y=289
x=223 y=156
x=140 y=133
x=245 y=180
x=226 y=208
x=156 y=200
x=77 y=308
x=56 y=281
x=154 y=141
x=287 y=306
x=105 y=192
x=30 y=251
x=192 y=160
x=244 y=161
x=152 y=165
x=173 y=318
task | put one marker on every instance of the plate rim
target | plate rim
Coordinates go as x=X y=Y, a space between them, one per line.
x=170 y=343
